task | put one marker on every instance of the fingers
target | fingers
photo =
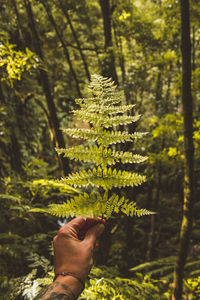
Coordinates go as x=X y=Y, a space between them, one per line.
x=89 y=223
x=76 y=223
x=93 y=233
x=79 y=226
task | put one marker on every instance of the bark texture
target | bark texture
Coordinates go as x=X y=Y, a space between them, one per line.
x=108 y=67
x=65 y=50
x=186 y=226
x=58 y=139
x=75 y=36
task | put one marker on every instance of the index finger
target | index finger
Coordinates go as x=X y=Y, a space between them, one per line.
x=90 y=222
x=77 y=223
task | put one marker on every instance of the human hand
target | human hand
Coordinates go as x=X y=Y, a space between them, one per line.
x=74 y=244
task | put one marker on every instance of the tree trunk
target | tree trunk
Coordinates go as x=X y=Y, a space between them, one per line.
x=66 y=52
x=43 y=77
x=186 y=226
x=167 y=96
x=108 y=67
x=18 y=22
x=65 y=11
x=155 y=203
x=193 y=48
x=158 y=97
x=2 y=98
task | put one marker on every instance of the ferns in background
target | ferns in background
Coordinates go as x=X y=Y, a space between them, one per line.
x=106 y=283
x=103 y=113
x=163 y=268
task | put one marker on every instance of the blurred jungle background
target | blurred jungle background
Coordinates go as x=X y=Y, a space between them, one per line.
x=48 y=52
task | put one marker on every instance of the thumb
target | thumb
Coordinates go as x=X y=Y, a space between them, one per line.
x=93 y=233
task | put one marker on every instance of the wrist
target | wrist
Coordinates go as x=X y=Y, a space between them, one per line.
x=72 y=274
x=72 y=282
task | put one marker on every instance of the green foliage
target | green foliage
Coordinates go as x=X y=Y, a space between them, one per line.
x=105 y=178
x=96 y=202
x=15 y=62
x=163 y=268
x=146 y=48
x=192 y=287
x=30 y=285
x=26 y=237
x=104 y=137
x=104 y=284
x=46 y=185
x=101 y=155
x=25 y=242
x=103 y=113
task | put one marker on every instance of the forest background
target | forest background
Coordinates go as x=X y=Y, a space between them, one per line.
x=49 y=50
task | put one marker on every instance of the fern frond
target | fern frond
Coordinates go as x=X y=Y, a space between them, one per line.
x=102 y=86
x=107 y=110
x=148 y=266
x=103 y=137
x=100 y=155
x=163 y=268
x=52 y=184
x=114 y=137
x=105 y=178
x=97 y=100
x=106 y=283
x=130 y=209
x=10 y=197
x=80 y=205
x=83 y=133
x=94 y=204
x=99 y=119
x=128 y=157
